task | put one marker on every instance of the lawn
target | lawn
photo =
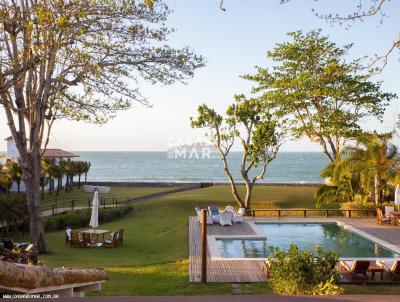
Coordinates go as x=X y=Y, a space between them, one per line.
x=153 y=258
x=82 y=197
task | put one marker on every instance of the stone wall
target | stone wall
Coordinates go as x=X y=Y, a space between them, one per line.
x=30 y=276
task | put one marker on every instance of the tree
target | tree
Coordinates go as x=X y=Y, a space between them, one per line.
x=86 y=165
x=258 y=131
x=377 y=160
x=5 y=180
x=15 y=170
x=47 y=171
x=58 y=173
x=312 y=85
x=80 y=169
x=345 y=182
x=81 y=60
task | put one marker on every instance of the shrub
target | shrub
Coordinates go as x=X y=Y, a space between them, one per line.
x=81 y=218
x=358 y=206
x=293 y=272
x=13 y=211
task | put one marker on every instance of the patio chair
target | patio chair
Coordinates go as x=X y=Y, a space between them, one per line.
x=230 y=209
x=356 y=267
x=113 y=241
x=388 y=211
x=238 y=216
x=225 y=218
x=88 y=240
x=214 y=212
x=76 y=241
x=381 y=219
x=120 y=236
x=10 y=245
x=392 y=267
x=199 y=216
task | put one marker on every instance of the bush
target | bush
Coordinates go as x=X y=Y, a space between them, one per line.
x=303 y=273
x=358 y=206
x=81 y=218
x=13 y=212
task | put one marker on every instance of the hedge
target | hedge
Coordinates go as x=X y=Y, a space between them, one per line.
x=81 y=218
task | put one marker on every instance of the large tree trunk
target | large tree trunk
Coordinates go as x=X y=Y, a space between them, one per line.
x=31 y=169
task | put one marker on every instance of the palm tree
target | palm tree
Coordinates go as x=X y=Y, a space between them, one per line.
x=80 y=169
x=5 y=180
x=378 y=161
x=344 y=182
x=86 y=165
x=44 y=180
x=70 y=171
x=58 y=173
x=48 y=169
x=15 y=171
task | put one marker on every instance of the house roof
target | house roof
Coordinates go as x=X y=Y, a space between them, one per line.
x=53 y=153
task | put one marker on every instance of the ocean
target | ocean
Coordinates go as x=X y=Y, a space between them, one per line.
x=288 y=167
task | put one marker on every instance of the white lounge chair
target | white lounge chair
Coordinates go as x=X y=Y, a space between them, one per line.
x=238 y=216
x=199 y=216
x=388 y=211
x=230 y=209
x=225 y=218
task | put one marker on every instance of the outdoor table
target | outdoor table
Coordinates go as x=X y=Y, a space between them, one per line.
x=96 y=232
x=396 y=215
x=375 y=268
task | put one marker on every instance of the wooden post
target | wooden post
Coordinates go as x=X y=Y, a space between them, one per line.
x=52 y=209
x=349 y=213
x=72 y=204
x=279 y=213
x=305 y=213
x=88 y=202
x=327 y=213
x=204 y=246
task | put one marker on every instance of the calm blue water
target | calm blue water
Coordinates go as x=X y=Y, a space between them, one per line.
x=293 y=167
x=307 y=236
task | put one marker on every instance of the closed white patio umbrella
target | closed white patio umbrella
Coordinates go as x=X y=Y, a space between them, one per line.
x=94 y=218
x=397 y=196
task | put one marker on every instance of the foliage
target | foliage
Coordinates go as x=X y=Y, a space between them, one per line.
x=79 y=60
x=293 y=272
x=13 y=211
x=81 y=218
x=5 y=180
x=358 y=205
x=323 y=94
x=15 y=170
x=377 y=160
x=258 y=130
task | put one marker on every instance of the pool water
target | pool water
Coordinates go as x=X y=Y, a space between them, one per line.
x=307 y=236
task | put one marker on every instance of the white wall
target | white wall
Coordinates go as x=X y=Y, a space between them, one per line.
x=12 y=151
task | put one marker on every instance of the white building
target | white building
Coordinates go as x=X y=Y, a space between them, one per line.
x=55 y=154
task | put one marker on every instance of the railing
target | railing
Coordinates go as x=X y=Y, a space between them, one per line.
x=303 y=212
x=82 y=203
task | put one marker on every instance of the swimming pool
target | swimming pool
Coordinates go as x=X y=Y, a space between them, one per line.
x=307 y=236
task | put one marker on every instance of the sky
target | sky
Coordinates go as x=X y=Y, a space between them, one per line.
x=233 y=43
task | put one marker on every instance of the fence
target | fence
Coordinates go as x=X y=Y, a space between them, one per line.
x=303 y=212
x=58 y=206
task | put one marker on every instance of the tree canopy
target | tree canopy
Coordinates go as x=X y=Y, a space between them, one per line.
x=323 y=95
x=81 y=60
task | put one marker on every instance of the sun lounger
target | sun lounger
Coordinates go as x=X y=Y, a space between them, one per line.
x=381 y=219
x=388 y=211
x=9 y=244
x=356 y=267
x=225 y=218
x=392 y=267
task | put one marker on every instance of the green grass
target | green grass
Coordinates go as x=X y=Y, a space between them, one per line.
x=153 y=258
x=120 y=192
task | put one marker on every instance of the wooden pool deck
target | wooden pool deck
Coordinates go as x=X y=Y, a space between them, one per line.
x=238 y=271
